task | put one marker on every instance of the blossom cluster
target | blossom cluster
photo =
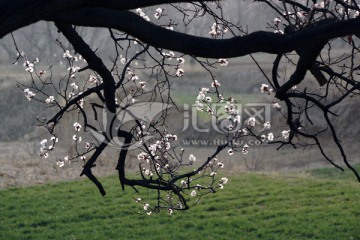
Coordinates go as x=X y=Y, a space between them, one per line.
x=186 y=185
x=218 y=30
x=47 y=146
x=285 y=133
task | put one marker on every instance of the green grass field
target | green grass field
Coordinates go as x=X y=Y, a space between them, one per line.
x=251 y=206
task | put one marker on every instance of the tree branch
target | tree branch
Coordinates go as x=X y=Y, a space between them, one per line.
x=16 y=14
x=160 y=37
x=95 y=63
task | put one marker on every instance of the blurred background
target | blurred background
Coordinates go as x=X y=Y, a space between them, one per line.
x=20 y=163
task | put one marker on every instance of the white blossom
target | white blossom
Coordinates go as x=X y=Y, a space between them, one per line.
x=142 y=84
x=264 y=88
x=148 y=172
x=215 y=83
x=158 y=12
x=193 y=193
x=270 y=136
x=224 y=180
x=146 y=206
x=134 y=77
x=142 y=156
x=60 y=163
x=170 y=211
x=276 y=105
x=251 y=121
x=263 y=137
x=223 y=62
x=29 y=69
x=192 y=158
x=183 y=183
x=29 y=94
x=199 y=106
x=81 y=102
x=67 y=54
x=319 y=5
x=216 y=30
x=266 y=125
x=204 y=90
x=50 y=99
x=77 y=138
x=43 y=143
x=220 y=164
x=94 y=80
x=245 y=149
x=170 y=55
x=74 y=69
x=201 y=96
x=181 y=60
x=356 y=14
x=179 y=72
x=285 y=133
x=277 y=21
x=71 y=94
x=77 y=126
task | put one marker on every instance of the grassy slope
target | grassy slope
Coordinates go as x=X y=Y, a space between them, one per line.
x=250 y=207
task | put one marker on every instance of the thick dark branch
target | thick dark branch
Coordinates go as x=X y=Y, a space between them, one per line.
x=160 y=37
x=307 y=61
x=122 y=156
x=126 y=4
x=16 y=14
x=90 y=164
x=95 y=63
